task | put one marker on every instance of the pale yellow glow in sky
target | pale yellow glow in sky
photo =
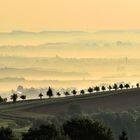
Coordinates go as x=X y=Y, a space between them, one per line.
x=36 y=15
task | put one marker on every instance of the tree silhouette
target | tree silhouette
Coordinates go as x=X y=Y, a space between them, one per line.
x=44 y=132
x=40 y=95
x=74 y=92
x=50 y=92
x=58 y=94
x=97 y=88
x=110 y=87
x=121 y=86
x=82 y=92
x=127 y=86
x=3 y=100
x=137 y=85
x=123 y=136
x=66 y=93
x=14 y=97
x=86 y=129
x=7 y=134
x=115 y=86
x=103 y=88
x=90 y=89
x=23 y=97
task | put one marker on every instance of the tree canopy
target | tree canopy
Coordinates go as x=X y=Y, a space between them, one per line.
x=86 y=129
x=14 y=97
x=7 y=134
x=50 y=92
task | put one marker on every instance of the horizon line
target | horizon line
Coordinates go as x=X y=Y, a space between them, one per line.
x=66 y=30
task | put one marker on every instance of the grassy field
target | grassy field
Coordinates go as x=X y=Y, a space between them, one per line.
x=21 y=114
x=113 y=100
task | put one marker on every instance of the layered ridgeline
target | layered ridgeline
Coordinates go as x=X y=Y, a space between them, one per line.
x=68 y=59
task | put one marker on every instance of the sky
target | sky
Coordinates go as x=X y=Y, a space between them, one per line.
x=35 y=57
x=38 y=15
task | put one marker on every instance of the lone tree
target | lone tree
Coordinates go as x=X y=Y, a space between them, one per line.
x=7 y=134
x=40 y=95
x=137 y=85
x=1 y=99
x=127 y=86
x=103 y=88
x=123 y=136
x=82 y=92
x=66 y=93
x=23 y=97
x=110 y=87
x=74 y=92
x=90 y=89
x=86 y=129
x=58 y=94
x=97 y=88
x=50 y=92
x=121 y=86
x=115 y=86
x=14 y=97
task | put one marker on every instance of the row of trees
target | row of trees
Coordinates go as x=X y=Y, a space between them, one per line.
x=14 y=97
x=72 y=129
x=49 y=93
x=104 y=88
x=90 y=90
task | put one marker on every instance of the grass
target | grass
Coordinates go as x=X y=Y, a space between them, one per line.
x=29 y=109
x=20 y=115
x=6 y=122
x=35 y=102
x=22 y=129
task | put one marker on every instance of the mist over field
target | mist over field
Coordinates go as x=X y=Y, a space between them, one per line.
x=70 y=69
x=68 y=58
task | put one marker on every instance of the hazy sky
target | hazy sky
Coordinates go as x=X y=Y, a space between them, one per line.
x=36 y=15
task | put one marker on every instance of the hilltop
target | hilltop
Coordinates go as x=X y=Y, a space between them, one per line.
x=109 y=100
x=118 y=109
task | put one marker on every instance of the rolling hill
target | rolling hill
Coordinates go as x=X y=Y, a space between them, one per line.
x=24 y=114
x=110 y=100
